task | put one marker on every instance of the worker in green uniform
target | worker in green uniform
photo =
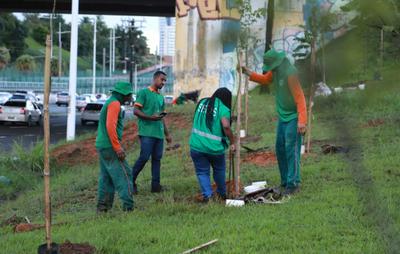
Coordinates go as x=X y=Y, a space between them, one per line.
x=211 y=136
x=292 y=113
x=114 y=169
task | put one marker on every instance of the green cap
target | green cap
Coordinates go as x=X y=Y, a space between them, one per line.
x=123 y=88
x=273 y=59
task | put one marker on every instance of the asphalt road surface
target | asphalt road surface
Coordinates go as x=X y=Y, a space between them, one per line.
x=29 y=136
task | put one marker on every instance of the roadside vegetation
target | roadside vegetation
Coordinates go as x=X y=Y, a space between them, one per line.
x=345 y=200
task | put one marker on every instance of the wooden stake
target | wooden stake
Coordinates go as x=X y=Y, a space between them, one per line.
x=238 y=126
x=200 y=247
x=46 y=127
x=246 y=97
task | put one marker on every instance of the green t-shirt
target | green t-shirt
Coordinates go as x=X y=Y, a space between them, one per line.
x=150 y=103
x=285 y=104
x=203 y=139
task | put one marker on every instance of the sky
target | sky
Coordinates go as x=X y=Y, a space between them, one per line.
x=150 y=26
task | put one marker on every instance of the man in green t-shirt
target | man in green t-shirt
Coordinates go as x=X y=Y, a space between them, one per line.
x=150 y=110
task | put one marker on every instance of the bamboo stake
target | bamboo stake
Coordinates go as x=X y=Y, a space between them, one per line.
x=311 y=98
x=200 y=247
x=246 y=98
x=238 y=125
x=46 y=127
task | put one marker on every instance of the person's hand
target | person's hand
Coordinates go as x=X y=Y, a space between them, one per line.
x=156 y=117
x=301 y=128
x=232 y=148
x=169 y=139
x=121 y=155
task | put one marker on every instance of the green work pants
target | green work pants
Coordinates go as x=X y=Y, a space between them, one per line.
x=288 y=145
x=114 y=176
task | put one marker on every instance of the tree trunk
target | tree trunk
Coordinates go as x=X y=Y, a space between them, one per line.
x=238 y=126
x=246 y=98
x=269 y=34
x=311 y=95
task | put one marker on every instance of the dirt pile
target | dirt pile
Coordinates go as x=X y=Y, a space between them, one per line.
x=84 y=152
x=76 y=248
x=264 y=158
x=374 y=123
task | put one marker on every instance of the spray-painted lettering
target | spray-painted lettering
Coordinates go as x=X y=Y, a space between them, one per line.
x=208 y=9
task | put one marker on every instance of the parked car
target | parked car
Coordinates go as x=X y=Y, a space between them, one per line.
x=62 y=99
x=91 y=113
x=27 y=96
x=81 y=102
x=92 y=97
x=20 y=110
x=4 y=96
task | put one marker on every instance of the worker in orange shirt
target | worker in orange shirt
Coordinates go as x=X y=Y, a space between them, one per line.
x=291 y=109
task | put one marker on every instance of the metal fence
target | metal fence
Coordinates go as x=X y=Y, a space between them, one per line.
x=84 y=84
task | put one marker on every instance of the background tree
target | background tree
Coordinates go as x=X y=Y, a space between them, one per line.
x=12 y=34
x=4 y=57
x=25 y=63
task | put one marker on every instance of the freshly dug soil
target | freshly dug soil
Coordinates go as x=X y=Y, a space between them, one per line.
x=264 y=158
x=76 y=248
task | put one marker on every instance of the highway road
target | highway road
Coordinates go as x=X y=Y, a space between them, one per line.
x=28 y=136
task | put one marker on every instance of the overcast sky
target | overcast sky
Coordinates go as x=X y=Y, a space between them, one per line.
x=150 y=26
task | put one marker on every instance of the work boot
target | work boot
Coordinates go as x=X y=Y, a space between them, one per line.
x=291 y=191
x=157 y=188
x=135 y=190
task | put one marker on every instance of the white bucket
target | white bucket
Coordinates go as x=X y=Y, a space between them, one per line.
x=242 y=133
x=261 y=184
x=303 y=149
x=338 y=89
x=234 y=202
x=361 y=86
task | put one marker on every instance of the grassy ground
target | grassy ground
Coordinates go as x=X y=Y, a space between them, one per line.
x=348 y=204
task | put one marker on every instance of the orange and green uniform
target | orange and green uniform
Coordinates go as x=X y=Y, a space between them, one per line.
x=291 y=109
x=114 y=174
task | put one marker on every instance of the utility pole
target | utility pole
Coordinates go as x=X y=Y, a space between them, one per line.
x=110 y=60
x=113 y=50
x=94 y=55
x=73 y=71
x=135 y=78
x=104 y=62
x=132 y=48
x=60 y=49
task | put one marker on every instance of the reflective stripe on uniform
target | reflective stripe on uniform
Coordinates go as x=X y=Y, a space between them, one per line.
x=206 y=135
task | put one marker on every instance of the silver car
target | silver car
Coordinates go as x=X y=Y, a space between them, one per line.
x=91 y=113
x=24 y=111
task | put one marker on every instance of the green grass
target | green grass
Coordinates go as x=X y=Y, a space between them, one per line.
x=334 y=213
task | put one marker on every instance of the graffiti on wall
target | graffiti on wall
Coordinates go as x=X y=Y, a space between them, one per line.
x=288 y=42
x=208 y=9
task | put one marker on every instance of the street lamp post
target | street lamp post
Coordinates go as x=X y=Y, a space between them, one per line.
x=94 y=56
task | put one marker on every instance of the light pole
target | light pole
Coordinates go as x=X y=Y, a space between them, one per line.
x=73 y=71
x=94 y=55
x=60 y=48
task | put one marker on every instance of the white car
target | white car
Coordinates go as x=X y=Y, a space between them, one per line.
x=20 y=110
x=4 y=96
x=62 y=99
x=92 y=97
x=81 y=102
x=91 y=113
